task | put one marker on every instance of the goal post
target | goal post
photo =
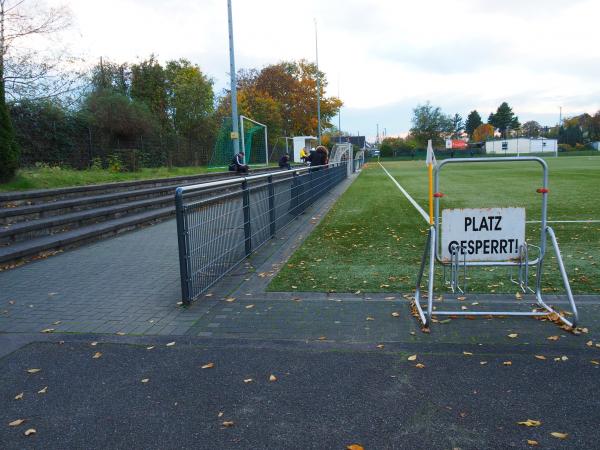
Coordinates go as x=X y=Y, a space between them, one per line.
x=254 y=139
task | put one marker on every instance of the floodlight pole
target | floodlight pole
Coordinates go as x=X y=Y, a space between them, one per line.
x=233 y=85
x=318 y=85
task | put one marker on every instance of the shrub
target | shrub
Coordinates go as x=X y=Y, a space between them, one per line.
x=115 y=164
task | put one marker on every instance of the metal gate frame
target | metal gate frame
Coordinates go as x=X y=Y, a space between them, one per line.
x=433 y=250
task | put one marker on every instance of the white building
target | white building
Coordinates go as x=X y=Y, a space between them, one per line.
x=595 y=145
x=518 y=146
x=302 y=142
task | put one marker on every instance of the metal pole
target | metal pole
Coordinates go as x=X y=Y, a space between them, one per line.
x=233 y=85
x=318 y=85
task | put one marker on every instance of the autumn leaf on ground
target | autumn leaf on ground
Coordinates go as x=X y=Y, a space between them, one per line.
x=540 y=357
x=589 y=343
x=370 y=318
x=19 y=396
x=461 y=298
x=248 y=380
x=145 y=380
x=150 y=348
x=16 y=423
x=530 y=423
x=559 y=435
x=594 y=362
x=513 y=335
x=518 y=296
x=29 y=431
x=97 y=355
x=44 y=390
x=272 y=377
x=171 y=344
x=355 y=447
x=412 y=357
x=228 y=423
x=33 y=370
x=93 y=344
x=47 y=330
x=249 y=306
x=322 y=338
x=230 y=299
x=507 y=363
x=220 y=414
x=420 y=366
x=395 y=314
x=467 y=353
x=380 y=345
x=553 y=338
x=532 y=442
x=208 y=365
x=120 y=333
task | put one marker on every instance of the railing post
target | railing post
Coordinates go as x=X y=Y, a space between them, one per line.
x=246 y=208
x=295 y=194
x=271 y=205
x=182 y=243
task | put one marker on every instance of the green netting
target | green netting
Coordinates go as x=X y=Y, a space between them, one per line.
x=223 y=151
x=255 y=146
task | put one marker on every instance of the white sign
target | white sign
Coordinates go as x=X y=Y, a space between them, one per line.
x=448 y=144
x=484 y=234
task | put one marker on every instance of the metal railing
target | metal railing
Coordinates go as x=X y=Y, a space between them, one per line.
x=220 y=223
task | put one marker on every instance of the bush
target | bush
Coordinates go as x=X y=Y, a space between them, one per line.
x=9 y=150
x=115 y=164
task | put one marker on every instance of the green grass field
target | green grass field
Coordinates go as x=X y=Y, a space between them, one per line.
x=372 y=239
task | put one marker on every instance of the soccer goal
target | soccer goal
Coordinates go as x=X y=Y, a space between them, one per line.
x=254 y=141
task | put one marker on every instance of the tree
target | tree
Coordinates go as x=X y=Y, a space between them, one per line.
x=9 y=151
x=148 y=85
x=532 y=128
x=457 y=125
x=483 y=132
x=504 y=118
x=430 y=122
x=473 y=121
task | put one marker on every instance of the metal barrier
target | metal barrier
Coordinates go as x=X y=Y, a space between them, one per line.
x=359 y=161
x=220 y=223
x=433 y=251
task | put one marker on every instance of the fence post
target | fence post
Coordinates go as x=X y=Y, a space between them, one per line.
x=271 y=205
x=294 y=198
x=181 y=241
x=246 y=208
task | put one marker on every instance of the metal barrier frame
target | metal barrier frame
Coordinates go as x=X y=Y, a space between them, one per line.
x=329 y=174
x=433 y=251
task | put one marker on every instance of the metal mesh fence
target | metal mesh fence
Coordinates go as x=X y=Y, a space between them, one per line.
x=220 y=223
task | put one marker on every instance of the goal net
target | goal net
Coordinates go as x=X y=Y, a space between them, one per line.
x=254 y=141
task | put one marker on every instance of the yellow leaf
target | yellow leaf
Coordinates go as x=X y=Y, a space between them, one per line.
x=43 y=390
x=171 y=344
x=29 y=431
x=507 y=363
x=395 y=314
x=150 y=348
x=145 y=380
x=596 y=363
x=322 y=338
x=120 y=333
x=531 y=423
x=532 y=442
x=228 y=423
x=33 y=370
x=589 y=343
x=93 y=344
x=540 y=357
x=461 y=298
x=467 y=353
x=19 y=396
x=518 y=296
x=483 y=363
x=513 y=335
x=272 y=377
x=248 y=380
x=412 y=357
x=97 y=355
x=370 y=318
x=559 y=435
x=249 y=306
x=48 y=330
x=420 y=366
x=220 y=414
x=16 y=423
x=355 y=447
x=553 y=338
x=380 y=345
x=208 y=365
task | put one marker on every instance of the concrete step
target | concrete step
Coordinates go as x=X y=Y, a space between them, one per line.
x=51 y=225
x=81 y=235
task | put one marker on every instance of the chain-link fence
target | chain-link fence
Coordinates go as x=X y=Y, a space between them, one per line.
x=220 y=223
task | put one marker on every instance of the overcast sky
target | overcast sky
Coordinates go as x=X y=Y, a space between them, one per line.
x=384 y=56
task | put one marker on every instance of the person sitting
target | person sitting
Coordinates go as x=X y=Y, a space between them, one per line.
x=237 y=164
x=303 y=155
x=284 y=162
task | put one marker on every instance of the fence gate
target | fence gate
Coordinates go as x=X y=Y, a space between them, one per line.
x=462 y=238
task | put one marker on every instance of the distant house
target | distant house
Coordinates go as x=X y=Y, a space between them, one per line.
x=359 y=141
x=517 y=146
x=595 y=145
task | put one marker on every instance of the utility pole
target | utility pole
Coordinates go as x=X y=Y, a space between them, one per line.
x=235 y=135
x=339 y=115
x=318 y=85
x=377 y=133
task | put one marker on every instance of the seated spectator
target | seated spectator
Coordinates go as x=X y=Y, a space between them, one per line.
x=284 y=162
x=237 y=164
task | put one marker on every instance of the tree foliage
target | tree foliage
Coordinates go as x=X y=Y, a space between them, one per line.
x=429 y=122
x=504 y=118
x=531 y=128
x=9 y=150
x=483 y=132
x=473 y=121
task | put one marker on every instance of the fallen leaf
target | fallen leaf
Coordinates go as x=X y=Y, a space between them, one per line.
x=47 y=330
x=355 y=447
x=461 y=298
x=589 y=343
x=145 y=380
x=380 y=345
x=370 y=318
x=19 y=396
x=33 y=370
x=220 y=414
x=230 y=299
x=412 y=357
x=532 y=442
x=420 y=366
x=150 y=348
x=228 y=423
x=594 y=362
x=322 y=338
x=564 y=358
x=507 y=363
x=464 y=308
x=97 y=355
x=553 y=338
x=467 y=353
x=248 y=380
x=483 y=363
x=518 y=296
x=249 y=306
x=513 y=335
x=29 y=431
x=540 y=357
x=272 y=377
x=208 y=365
x=559 y=435
x=120 y=333
x=93 y=344
x=389 y=298
x=171 y=344
x=395 y=314
x=16 y=423
x=530 y=423
x=44 y=390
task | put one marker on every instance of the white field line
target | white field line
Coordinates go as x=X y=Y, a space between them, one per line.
x=565 y=221
x=407 y=195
